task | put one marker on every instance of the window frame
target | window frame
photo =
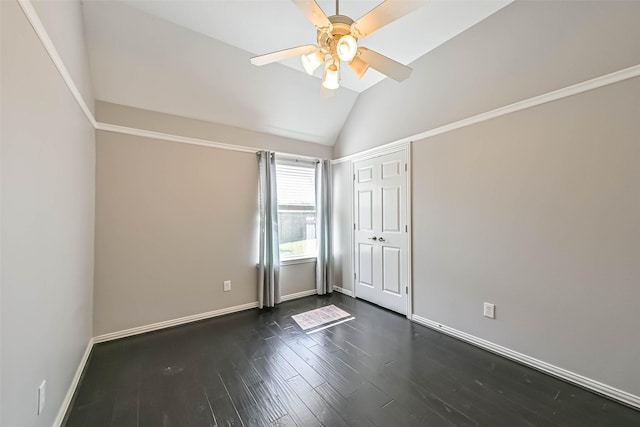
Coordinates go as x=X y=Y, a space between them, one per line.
x=311 y=164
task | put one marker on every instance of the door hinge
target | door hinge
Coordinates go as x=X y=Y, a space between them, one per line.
x=354 y=276
x=405 y=167
x=406 y=289
x=406 y=228
x=354 y=226
x=354 y=176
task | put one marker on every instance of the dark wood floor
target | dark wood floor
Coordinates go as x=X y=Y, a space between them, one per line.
x=258 y=368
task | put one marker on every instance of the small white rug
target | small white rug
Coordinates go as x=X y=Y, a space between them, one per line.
x=319 y=316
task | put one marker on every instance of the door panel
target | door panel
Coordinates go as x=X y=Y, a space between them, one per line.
x=391 y=169
x=380 y=233
x=365 y=210
x=365 y=264
x=391 y=270
x=391 y=209
x=365 y=174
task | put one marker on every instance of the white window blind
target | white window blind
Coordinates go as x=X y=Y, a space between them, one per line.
x=296 y=185
x=296 y=210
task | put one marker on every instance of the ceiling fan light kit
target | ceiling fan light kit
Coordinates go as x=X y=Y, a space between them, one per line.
x=330 y=79
x=347 y=47
x=312 y=61
x=337 y=37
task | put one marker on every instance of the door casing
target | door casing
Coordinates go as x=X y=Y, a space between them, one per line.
x=406 y=149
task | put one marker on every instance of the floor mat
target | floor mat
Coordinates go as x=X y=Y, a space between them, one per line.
x=319 y=316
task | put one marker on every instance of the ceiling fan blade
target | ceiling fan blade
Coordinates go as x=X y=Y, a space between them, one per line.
x=388 y=66
x=358 y=66
x=284 y=54
x=314 y=13
x=383 y=14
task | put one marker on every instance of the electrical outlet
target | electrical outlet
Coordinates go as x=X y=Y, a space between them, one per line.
x=489 y=310
x=41 y=396
x=227 y=285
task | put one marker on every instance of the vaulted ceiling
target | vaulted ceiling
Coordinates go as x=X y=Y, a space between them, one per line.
x=191 y=58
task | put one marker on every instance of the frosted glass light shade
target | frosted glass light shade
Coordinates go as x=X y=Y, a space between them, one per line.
x=330 y=78
x=346 y=48
x=312 y=61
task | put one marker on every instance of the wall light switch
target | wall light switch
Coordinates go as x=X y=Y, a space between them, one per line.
x=489 y=310
x=227 y=285
x=41 y=396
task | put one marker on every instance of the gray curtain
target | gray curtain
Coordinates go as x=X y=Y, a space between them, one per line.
x=324 y=265
x=269 y=254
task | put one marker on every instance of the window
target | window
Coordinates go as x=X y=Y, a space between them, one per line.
x=296 y=209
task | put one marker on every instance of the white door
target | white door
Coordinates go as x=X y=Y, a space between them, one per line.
x=380 y=231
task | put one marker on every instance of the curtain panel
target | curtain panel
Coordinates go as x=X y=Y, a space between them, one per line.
x=269 y=253
x=324 y=264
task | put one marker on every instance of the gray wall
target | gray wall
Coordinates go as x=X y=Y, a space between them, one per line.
x=48 y=170
x=536 y=211
x=525 y=49
x=173 y=221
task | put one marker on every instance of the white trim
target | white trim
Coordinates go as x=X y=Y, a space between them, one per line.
x=409 y=232
x=298 y=295
x=372 y=152
x=381 y=150
x=572 y=377
x=173 y=322
x=148 y=328
x=396 y=147
x=34 y=20
x=173 y=138
x=74 y=384
x=189 y=319
x=595 y=83
x=293 y=261
x=607 y=79
x=343 y=291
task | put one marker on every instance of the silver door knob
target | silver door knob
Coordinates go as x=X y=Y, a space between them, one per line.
x=381 y=239
x=372 y=238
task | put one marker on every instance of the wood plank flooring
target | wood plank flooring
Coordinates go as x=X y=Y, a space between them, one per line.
x=258 y=368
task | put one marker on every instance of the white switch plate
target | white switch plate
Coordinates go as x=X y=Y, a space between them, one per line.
x=41 y=396
x=489 y=310
x=227 y=285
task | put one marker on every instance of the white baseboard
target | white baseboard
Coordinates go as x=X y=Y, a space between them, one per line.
x=343 y=291
x=148 y=328
x=572 y=377
x=74 y=384
x=298 y=295
x=193 y=318
x=173 y=322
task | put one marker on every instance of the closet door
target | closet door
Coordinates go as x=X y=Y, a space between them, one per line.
x=380 y=231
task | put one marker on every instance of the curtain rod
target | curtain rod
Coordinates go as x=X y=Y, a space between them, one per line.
x=295 y=157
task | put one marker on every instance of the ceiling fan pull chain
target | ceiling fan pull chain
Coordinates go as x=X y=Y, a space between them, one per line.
x=337 y=7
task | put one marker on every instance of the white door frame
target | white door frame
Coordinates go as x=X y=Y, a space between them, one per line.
x=406 y=147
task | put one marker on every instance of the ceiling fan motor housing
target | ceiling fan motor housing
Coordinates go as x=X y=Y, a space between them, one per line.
x=341 y=26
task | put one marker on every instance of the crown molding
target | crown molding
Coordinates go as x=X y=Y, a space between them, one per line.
x=555 y=95
x=47 y=43
x=595 y=83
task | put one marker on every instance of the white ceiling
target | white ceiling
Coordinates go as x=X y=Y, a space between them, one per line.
x=191 y=58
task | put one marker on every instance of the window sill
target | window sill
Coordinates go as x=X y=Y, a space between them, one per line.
x=292 y=261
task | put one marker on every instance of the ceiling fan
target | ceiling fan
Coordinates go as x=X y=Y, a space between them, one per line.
x=337 y=40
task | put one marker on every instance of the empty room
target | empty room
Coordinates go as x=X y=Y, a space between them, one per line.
x=319 y=213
